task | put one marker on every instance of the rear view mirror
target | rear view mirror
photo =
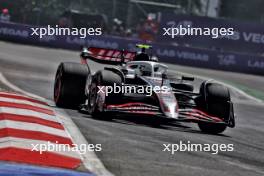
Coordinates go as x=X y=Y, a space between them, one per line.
x=187 y=78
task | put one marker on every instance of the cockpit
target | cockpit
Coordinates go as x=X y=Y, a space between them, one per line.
x=150 y=69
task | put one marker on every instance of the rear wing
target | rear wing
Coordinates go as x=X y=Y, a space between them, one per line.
x=110 y=56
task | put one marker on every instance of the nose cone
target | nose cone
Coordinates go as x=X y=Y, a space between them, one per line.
x=168 y=104
x=171 y=111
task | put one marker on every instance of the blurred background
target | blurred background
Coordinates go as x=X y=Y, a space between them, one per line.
x=133 y=147
x=121 y=17
x=49 y=11
x=143 y=21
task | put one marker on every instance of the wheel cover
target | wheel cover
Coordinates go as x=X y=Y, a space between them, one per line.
x=57 y=87
x=93 y=97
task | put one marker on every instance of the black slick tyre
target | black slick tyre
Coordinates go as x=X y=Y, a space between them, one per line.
x=69 y=84
x=216 y=101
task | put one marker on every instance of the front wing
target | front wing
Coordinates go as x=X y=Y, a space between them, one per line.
x=138 y=108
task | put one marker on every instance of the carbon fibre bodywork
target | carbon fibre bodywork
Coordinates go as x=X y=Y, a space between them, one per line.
x=179 y=102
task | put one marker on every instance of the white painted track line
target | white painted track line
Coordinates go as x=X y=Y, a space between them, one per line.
x=17 y=89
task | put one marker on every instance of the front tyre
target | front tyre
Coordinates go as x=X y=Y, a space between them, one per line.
x=69 y=84
x=215 y=100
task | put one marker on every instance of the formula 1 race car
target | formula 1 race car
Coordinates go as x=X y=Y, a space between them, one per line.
x=139 y=85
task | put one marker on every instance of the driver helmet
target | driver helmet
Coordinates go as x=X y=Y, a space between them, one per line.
x=85 y=53
x=154 y=59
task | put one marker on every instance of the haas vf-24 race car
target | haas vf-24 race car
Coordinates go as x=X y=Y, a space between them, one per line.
x=77 y=87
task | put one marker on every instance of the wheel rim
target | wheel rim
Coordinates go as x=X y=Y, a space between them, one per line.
x=93 y=97
x=57 y=86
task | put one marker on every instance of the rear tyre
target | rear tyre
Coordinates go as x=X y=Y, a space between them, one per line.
x=215 y=99
x=102 y=78
x=69 y=84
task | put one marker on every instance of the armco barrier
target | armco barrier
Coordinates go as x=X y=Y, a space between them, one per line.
x=167 y=53
x=248 y=37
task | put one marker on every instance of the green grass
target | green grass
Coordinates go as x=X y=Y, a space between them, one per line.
x=250 y=91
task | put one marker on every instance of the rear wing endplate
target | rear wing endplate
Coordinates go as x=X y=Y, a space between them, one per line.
x=110 y=56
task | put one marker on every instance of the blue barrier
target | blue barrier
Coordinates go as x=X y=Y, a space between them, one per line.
x=7 y=169
x=189 y=56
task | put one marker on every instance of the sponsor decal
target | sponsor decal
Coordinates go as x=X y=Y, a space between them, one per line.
x=92 y=42
x=14 y=32
x=256 y=64
x=183 y=55
x=226 y=60
x=253 y=37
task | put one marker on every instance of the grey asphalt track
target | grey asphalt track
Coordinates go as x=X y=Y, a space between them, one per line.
x=134 y=147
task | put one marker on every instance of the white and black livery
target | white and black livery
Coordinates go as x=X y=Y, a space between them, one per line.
x=76 y=87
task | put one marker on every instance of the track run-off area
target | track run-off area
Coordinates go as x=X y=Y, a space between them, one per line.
x=132 y=146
